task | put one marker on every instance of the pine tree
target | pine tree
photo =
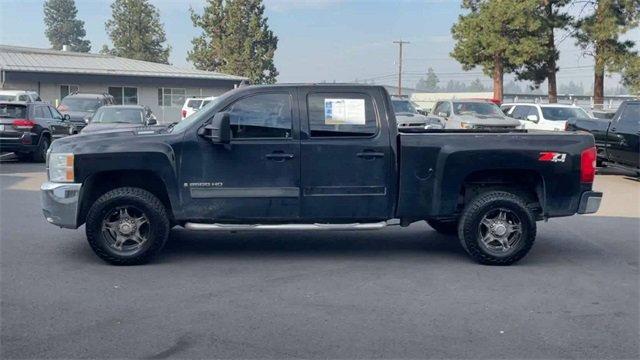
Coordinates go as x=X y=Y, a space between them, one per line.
x=499 y=35
x=430 y=84
x=631 y=75
x=62 y=26
x=598 y=35
x=136 y=32
x=236 y=39
x=476 y=86
x=543 y=67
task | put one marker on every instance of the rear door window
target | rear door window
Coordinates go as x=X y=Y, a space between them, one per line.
x=341 y=115
x=630 y=116
x=39 y=112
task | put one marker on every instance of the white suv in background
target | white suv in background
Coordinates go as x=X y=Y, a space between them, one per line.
x=190 y=106
x=19 y=95
x=543 y=116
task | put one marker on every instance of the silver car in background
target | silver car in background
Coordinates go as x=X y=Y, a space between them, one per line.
x=408 y=117
x=473 y=114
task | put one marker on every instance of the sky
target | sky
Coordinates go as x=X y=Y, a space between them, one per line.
x=319 y=40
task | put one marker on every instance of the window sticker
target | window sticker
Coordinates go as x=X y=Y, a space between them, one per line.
x=344 y=111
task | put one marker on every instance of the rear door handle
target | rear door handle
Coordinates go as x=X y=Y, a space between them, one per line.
x=370 y=154
x=277 y=156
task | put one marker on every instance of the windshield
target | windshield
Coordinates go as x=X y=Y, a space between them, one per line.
x=198 y=115
x=79 y=104
x=13 y=111
x=7 y=97
x=118 y=116
x=477 y=108
x=563 y=113
x=403 y=106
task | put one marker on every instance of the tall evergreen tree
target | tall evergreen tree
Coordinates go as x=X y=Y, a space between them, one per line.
x=539 y=69
x=136 y=32
x=598 y=35
x=430 y=84
x=235 y=39
x=631 y=75
x=499 y=35
x=62 y=26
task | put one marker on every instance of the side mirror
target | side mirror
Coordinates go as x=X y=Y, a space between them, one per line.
x=152 y=120
x=219 y=131
x=87 y=118
x=66 y=117
x=533 y=118
x=443 y=114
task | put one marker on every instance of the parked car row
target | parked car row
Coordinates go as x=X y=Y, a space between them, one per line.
x=29 y=125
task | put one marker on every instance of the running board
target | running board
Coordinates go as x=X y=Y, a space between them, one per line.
x=260 y=227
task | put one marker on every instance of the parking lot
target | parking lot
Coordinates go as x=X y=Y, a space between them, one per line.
x=392 y=293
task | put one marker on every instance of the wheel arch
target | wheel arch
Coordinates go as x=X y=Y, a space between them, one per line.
x=100 y=183
x=528 y=183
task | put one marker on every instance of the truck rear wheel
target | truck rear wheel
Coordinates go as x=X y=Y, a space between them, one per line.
x=127 y=226
x=444 y=227
x=497 y=228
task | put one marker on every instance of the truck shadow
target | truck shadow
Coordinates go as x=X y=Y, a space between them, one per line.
x=417 y=239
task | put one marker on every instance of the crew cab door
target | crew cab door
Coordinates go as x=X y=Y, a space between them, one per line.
x=347 y=165
x=257 y=175
x=624 y=130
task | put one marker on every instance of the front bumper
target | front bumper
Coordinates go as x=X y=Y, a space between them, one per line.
x=589 y=202
x=60 y=203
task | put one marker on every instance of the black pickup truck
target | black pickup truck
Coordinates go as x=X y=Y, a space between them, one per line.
x=314 y=157
x=617 y=140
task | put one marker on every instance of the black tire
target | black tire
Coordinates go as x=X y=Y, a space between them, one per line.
x=157 y=228
x=40 y=155
x=470 y=231
x=444 y=227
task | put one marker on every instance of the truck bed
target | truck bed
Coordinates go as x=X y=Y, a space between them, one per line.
x=434 y=166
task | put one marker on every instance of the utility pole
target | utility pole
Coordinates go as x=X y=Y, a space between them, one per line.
x=400 y=43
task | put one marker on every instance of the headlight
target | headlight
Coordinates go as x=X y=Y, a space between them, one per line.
x=465 y=125
x=61 y=167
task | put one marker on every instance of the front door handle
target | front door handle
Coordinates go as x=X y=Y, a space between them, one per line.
x=370 y=154
x=279 y=156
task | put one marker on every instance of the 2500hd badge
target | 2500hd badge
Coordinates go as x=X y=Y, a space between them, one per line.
x=315 y=157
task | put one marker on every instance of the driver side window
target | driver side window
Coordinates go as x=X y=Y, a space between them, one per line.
x=265 y=115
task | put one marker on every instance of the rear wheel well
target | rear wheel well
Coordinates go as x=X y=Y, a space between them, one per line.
x=100 y=183
x=527 y=184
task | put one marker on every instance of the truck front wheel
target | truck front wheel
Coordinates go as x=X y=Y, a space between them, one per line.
x=497 y=228
x=127 y=226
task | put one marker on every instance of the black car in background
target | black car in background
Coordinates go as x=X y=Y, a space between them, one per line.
x=120 y=117
x=28 y=128
x=617 y=139
x=81 y=106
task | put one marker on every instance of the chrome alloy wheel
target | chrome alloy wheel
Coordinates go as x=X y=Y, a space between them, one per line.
x=500 y=231
x=125 y=229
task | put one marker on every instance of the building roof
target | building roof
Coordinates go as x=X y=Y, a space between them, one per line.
x=26 y=59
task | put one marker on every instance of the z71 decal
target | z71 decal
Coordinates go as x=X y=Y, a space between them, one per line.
x=552 y=156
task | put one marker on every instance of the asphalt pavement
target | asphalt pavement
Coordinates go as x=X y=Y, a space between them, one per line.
x=392 y=293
